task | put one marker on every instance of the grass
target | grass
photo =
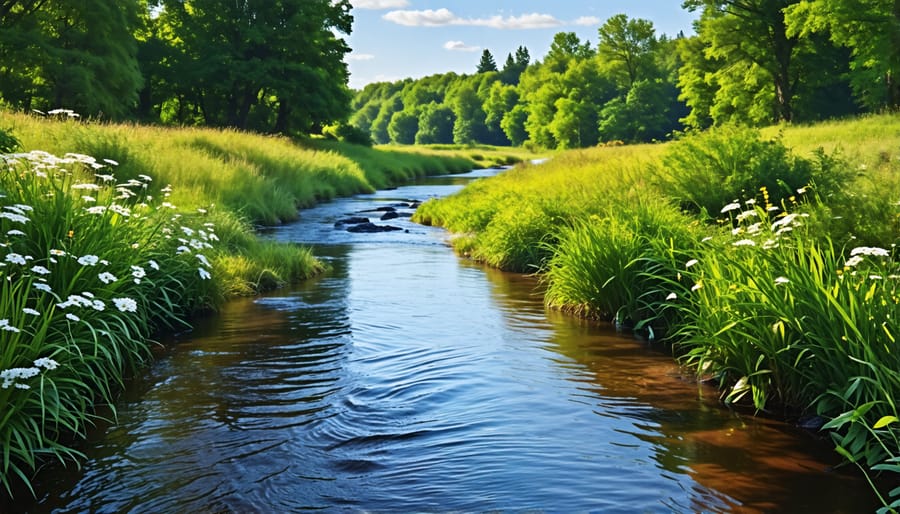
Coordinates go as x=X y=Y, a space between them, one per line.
x=111 y=233
x=764 y=258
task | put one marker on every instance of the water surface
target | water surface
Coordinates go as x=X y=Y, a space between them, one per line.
x=409 y=379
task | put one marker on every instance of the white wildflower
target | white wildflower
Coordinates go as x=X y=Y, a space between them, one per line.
x=125 y=304
x=15 y=258
x=730 y=207
x=88 y=260
x=107 y=277
x=29 y=310
x=690 y=263
x=744 y=242
x=204 y=274
x=72 y=317
x=40 y=270
x=781 y=280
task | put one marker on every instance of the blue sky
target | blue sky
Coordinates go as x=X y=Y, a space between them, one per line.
x=396 y=39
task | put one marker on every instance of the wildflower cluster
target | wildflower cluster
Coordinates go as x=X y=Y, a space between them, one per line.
x=17 y=377
x=89 y=265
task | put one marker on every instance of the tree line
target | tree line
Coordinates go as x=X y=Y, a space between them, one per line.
x=753 y=62
x=269 y=66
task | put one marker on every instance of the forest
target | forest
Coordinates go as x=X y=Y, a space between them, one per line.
x=751 y=62
x=273 y=67
x=279 y=67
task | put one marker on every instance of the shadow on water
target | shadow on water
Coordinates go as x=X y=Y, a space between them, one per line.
x=744 y=463
x=407 y=379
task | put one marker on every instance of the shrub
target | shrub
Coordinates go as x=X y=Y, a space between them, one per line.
x=708 y=170
x=8 y=142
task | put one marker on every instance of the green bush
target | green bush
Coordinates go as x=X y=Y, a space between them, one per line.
x=8 y=142
x=709 y=170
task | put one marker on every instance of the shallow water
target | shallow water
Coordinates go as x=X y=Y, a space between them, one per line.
x=408 y=379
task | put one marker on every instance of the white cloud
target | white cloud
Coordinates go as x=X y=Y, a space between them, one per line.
x=526 y=21
x=587 y=21
x=459 y=46
x=360 y=57
x=379 y=4
x=443 y=17
x=426 y=18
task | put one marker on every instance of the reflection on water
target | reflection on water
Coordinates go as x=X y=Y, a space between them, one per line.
x=406 y=379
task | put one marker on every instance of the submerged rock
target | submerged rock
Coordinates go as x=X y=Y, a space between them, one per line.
x=353 y=220
x=371 y=228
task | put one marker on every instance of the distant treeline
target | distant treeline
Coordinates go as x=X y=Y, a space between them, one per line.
x=256 y=65
x=751 y=61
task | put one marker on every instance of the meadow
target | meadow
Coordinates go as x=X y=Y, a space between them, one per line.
x=115 y=233
x=765 y=259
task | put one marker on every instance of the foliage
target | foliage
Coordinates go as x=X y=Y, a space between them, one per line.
x=274 y=67
x=487 y=62
x=8 y=141
x=348 y=134
x=709 y=170
x=82 y=290
x=82 y=56
x=627 y=46
x=870 y=28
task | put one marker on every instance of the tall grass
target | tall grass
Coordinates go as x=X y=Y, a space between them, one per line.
x=776 y=278
x=98 y=254
x=91 y=266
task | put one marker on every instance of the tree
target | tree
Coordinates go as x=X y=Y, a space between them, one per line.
x=628 y=46
x=565 y=47
x=469 y=124
x=501 y=99
x=870 y=29
x=435 y=124
x=643 y=115
x=78 y=55
x=513 y=125
x=380 y=124
x=751 y=35
x=403 y=127
x=487 y=62
x=262 y=65
x=514 y=67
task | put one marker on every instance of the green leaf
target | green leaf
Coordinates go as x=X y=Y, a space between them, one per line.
x=885 y=421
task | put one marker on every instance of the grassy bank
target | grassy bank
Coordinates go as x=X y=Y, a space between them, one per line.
x=766 y=260
x=111 y=233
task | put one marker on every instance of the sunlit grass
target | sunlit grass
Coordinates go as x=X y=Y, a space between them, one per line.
x=92 y=265
x=790 y=307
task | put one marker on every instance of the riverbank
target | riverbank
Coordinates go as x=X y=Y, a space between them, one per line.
x=766 y=263
x=113 y=233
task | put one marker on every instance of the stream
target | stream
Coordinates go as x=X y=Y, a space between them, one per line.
x=408 y=379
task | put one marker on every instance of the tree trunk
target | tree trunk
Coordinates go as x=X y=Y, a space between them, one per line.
x=783 y=48
x=282 y=123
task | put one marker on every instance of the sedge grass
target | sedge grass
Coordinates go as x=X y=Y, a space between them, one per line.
x=790 y=308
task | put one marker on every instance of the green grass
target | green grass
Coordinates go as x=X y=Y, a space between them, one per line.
x=112 y=233
x=764 y=258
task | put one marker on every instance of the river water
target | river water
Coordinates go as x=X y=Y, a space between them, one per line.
x=408 y=379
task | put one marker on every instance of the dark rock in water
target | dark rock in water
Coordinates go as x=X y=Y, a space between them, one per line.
x=390 y=216
x=380 y=209
x=353 y=220
x=371 y=228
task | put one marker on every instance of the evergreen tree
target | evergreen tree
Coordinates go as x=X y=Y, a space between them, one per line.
x=487 y=62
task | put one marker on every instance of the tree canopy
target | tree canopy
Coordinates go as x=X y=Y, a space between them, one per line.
x=268 y=66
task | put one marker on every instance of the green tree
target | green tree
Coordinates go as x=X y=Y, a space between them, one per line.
x=514 y=67
x=262 y=65
x=513 y=125
x=628 y=46
x=487 y=62
x=468 y=127
x=435 y=124
x=750 y=39
x=643 y=115
x=403 y=127
x=870 y=29
x=501 y=99
x=380 y=124
x=78 y=55
x=565 y=48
